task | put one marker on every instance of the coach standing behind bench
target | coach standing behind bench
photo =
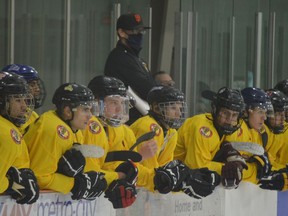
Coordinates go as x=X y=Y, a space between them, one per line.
x=124 y=62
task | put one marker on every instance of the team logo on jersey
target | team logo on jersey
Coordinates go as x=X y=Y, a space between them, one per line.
x=156 y=129
x=15 y=136
x=62 y=132
x=205 y=131
x=94 y=127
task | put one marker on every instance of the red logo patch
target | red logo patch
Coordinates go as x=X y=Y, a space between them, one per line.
x=94 y=127
x=15 y=136
x=156 y=129
x=137 y=18
x=205 y=131
x=63 y=132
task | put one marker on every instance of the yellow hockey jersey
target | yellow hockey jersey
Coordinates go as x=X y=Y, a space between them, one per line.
x=13 y=151
x=48 y=138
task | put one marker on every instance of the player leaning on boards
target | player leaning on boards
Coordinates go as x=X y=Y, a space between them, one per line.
x=121 y=191
x=275 y=126
x=113 y=102
x=120 y=137
x=201 y=139
x=50 y=140
x=278 y=180
x=166 y=115
x=16 y=105
x=257 y=107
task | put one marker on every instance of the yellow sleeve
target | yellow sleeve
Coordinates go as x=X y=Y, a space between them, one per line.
x=47 y=140
x=94 y=134
x=10 y=150
x=145 y=177
x=198 y=142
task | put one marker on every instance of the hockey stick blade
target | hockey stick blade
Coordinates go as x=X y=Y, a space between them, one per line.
x=249 y=147
x=89 y=151
x=123 y=156
x=208 y=94
x=144 y=137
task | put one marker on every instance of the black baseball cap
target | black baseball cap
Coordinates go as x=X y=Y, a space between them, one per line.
x=131 y=21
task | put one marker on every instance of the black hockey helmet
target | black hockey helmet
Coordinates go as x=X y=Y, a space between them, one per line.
x=73 y=95
x=11 y=83
x=161 y=94
x=278 y=99
x=280 y=105
x=228 y=98
x=103 y=86
x=282 y=86
x=114 y=90
x=14 y=86
x=162 y=98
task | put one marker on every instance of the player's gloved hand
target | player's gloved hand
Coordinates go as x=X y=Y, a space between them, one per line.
x=23 y=185
x=275 y=181
x=89 y=185
x=121 y=193
x=71 y=163
x=200 y=182
x=263 y=165
x=231 y=174
x=130 y=170
x=170 y=176
x=227 y=154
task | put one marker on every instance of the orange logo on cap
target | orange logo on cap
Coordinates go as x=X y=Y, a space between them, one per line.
x=137 y=18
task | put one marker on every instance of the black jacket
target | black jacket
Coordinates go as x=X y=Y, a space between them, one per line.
x=125 y=65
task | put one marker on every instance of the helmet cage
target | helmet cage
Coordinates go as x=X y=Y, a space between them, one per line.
x=16 y=118
x=230 y=99
x=175 y=106
x=39 y=98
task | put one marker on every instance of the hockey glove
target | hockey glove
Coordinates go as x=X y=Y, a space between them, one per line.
x=130 y=170
x=276 y=181
x=231 y=174
x=263 y=165
x=89 y=185
x=71 y=163
x=227 y=154
x=121 y=193
x=200 y=183
x=23 y=185
x=170 y=177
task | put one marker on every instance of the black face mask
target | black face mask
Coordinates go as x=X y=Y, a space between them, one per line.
x=135 y=41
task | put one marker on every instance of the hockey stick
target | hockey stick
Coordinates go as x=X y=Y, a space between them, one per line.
x=129 y=154
x=144 y=137
x=123 y=156
x=249 y=147
x=208 y=94
x=89 y=151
